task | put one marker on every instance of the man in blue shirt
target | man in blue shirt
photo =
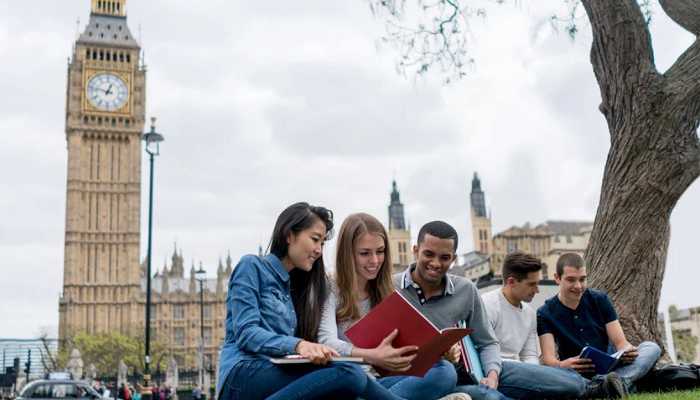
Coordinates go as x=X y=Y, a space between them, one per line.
x=578 y=317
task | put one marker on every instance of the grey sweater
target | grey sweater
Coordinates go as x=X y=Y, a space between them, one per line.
x=461 y=302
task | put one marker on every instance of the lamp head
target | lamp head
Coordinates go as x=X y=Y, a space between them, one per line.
x=153 y=139
x=200 y=275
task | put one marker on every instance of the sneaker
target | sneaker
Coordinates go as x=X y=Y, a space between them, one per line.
x=456 y=396
x=596 y=390
x=615 y=386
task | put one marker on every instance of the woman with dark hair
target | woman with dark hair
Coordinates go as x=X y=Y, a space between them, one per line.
x=273 y=309
x=363 y=280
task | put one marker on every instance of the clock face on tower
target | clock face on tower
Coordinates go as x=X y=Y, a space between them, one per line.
x=107 y=92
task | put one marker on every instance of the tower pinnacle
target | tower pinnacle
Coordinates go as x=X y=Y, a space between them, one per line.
x=396 y=216
x=115 y=8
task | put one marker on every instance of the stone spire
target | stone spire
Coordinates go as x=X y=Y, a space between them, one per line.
x=193 y=281
x=229 y=264
x=396 y=216
x=165 y=284
x=220 y=277
x=478 y=201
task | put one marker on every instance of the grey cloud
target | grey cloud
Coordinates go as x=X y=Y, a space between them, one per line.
x=363 y=115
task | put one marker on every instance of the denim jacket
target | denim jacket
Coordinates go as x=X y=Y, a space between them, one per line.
x=260 y=317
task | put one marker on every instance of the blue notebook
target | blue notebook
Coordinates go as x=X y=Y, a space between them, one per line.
x=470 y=357
x=602 y=361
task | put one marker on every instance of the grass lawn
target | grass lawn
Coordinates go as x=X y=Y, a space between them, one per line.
x=692 y=395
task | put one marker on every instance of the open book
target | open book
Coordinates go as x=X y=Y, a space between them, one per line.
x=602 y=361
x=298 y=359
x=396 y=312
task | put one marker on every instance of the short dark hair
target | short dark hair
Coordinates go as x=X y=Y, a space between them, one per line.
x=568 y=260
x=519 y=265
x=439 y=229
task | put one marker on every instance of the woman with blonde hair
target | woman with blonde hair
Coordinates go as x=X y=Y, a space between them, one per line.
x=363 y=280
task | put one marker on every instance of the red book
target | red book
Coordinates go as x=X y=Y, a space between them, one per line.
x=396 y=312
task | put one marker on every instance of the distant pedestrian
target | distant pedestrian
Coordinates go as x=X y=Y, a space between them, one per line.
x=137 y=392
x=197 y=393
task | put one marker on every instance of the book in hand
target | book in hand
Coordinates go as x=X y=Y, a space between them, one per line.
x=602 y=361
x=396 y=312
x=470 y=359
x=299 y=359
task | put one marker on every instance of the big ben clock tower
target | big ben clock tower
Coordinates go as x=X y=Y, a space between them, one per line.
x=105 y=107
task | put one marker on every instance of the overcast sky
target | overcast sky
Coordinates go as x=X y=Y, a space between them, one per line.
x=266 y=103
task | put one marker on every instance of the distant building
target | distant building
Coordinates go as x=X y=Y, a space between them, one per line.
x=37 y=352
x=686 y=322
x=399 y=233
x=473 y=266
x=546 y=241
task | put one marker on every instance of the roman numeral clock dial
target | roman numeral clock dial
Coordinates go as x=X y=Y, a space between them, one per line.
x=107 y=92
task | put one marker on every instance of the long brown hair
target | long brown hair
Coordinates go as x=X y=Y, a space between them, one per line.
x=351 y=230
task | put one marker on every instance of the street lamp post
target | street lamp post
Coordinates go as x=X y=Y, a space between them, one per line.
x=152 y=139
x=201 y=277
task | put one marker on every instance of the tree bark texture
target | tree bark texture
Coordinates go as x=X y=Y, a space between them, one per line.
x=654 y=157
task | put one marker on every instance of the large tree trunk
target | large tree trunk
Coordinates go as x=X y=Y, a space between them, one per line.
x=654 y=157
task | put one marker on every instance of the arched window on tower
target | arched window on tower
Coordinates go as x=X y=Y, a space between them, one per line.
x=102 y=55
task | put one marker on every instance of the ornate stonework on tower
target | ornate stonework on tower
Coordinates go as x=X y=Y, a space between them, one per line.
x=399 y=233
x=481 y=222
x=105 y=110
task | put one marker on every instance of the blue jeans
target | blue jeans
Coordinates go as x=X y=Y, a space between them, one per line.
x=649 y=353
x=439 y=381
x=260 y=379
x=533 y=381
x=481 y=392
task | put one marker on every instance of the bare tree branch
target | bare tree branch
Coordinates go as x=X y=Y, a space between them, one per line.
x=435 y=36
x=621 y=50
x=684 y=75
x=46 y=353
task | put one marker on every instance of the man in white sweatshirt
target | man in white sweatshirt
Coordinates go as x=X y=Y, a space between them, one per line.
x=515 y=325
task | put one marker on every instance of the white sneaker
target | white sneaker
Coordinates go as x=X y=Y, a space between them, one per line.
x=456 y=396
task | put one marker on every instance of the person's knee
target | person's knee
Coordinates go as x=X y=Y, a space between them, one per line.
x=650 y=347
x=444 y=373
x=353 y=375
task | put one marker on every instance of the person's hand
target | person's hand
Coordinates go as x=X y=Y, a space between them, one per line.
x=318 y=354
x=630 y=355
x=390 y=358
x=491 y=380
x=580 y=365
x=453 y=354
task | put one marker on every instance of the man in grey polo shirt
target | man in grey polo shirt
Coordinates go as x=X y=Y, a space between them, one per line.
x=448 y=299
